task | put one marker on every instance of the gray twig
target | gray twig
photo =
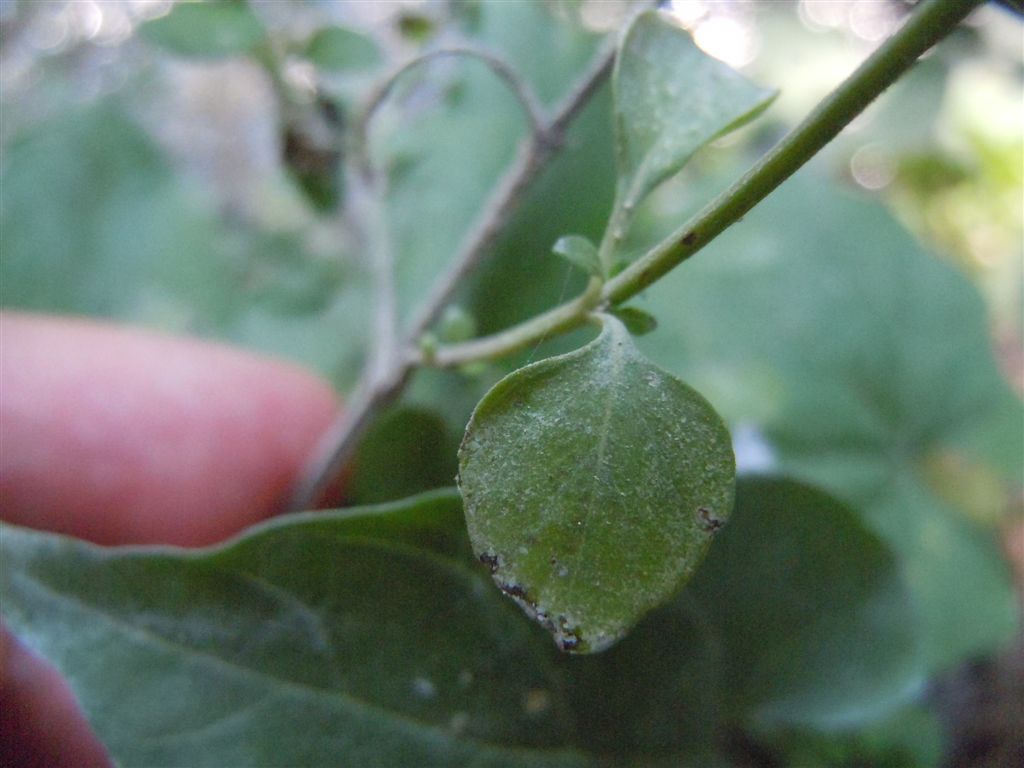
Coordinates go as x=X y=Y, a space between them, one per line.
x=388 y=373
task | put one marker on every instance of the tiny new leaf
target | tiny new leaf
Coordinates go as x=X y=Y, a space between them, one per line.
x=670 y=100
x=206 y=30
x=638 y=322
x=579 y=252
x=593 y=483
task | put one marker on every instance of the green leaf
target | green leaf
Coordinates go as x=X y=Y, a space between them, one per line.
x=593 y=484
x=94 y=221
x=858 y=355
x=579 y=252
x=637 y=322
x=816 y=620
x=456 y=324
x=670 y=100
x=338 y=48
x=206 y=30
x=321 y=639
x=657 y=693
x=90 y=211
x=406 y=451
x=370 y=637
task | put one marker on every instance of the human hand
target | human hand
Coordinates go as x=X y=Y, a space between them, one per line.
x=128 y=437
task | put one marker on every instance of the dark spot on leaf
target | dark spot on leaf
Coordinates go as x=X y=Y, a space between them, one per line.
x=708 y=520
x=515 y=590
x=568 y=643
x=689 y=238
x=490 y=560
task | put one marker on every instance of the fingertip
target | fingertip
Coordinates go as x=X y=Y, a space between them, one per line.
x=127 y=436
x=41 y=725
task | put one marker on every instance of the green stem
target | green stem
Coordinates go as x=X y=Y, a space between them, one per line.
x=930 y=21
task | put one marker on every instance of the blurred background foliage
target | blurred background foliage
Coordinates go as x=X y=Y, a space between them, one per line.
x=861 y=330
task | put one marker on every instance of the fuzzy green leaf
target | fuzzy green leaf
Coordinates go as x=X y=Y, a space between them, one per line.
x=670 y=100
x=593 y=483
x=579 y=252
x=206 y=30
x=338 y=49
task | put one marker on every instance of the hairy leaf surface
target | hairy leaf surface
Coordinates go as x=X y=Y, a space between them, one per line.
x=593 y=484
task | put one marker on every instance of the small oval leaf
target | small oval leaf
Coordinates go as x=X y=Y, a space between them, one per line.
x=579 y=252
x=206 y=30
x=593 y=483
x=339 y=49
x=670 y=100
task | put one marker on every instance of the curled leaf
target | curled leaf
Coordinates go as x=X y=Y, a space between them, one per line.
x=593 y=483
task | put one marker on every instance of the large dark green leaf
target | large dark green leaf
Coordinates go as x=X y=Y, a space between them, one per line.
x=371 y=637
x=323 y=640
x=816 y=621
x=94 y=221
x=670 y=100
x=406 y=451
x=593 y=484
x=857 y=356
x=206 y=29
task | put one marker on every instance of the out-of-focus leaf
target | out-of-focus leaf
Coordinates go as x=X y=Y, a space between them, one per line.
x=92 y=221
x=593 y=484
x=909 y=738
x=456 y=324
x=656 y=698
x=817 y=623
x=206 y=29
x=579 y=252
x=858 y=355
x=638 y=322
x=338 y=48
x=407 y=450
x=670 y=100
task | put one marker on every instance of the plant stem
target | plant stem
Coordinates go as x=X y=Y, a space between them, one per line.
x=520 y=88
x=381 y=385
x=928 y=23
x=546 y=138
